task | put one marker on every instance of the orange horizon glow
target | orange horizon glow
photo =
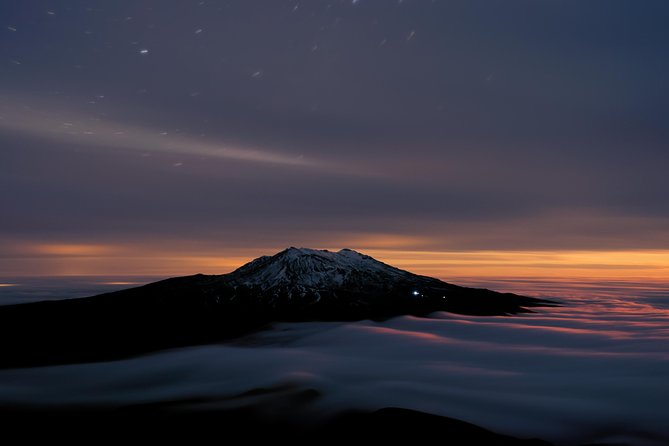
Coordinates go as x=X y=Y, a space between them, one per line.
x=108 y=260
x=120 y=283
x=650 y=264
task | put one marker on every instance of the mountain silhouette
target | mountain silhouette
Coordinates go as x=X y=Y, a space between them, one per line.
x=297 y=284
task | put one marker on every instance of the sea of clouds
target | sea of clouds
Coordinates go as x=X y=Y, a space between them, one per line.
x=593 y=370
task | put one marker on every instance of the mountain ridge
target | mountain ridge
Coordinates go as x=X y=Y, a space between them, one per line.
x=301 y=269
x=296 y=284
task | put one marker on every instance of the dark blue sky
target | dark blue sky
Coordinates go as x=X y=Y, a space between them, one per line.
x=413 y=124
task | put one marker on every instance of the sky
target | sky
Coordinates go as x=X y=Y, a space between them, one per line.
x=471 y=137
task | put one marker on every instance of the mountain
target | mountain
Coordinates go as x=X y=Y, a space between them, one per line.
x=297 y=284
x=301 y=283
x=295 y=269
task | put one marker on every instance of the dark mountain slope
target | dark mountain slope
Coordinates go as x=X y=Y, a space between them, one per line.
x=293 y=285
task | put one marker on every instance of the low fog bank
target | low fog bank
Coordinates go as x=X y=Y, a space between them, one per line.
x=581 y=373
x=23 y=290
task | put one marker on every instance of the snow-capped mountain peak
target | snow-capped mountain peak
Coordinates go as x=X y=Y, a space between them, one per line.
x=304 y=268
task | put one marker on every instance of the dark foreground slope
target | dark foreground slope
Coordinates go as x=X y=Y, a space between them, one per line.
x=249 y=425
x=293 y=285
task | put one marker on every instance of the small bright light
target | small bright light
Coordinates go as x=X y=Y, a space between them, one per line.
x=143 y=51
x=416 y=293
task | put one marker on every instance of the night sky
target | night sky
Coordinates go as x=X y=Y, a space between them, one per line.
x=189 y=135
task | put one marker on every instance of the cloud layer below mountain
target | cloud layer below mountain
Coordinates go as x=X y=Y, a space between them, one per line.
x=590 y=371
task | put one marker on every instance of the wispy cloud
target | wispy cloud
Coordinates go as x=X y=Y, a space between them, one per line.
x=57 y=124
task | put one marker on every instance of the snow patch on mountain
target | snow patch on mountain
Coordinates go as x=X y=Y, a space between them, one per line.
x=315 y=269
